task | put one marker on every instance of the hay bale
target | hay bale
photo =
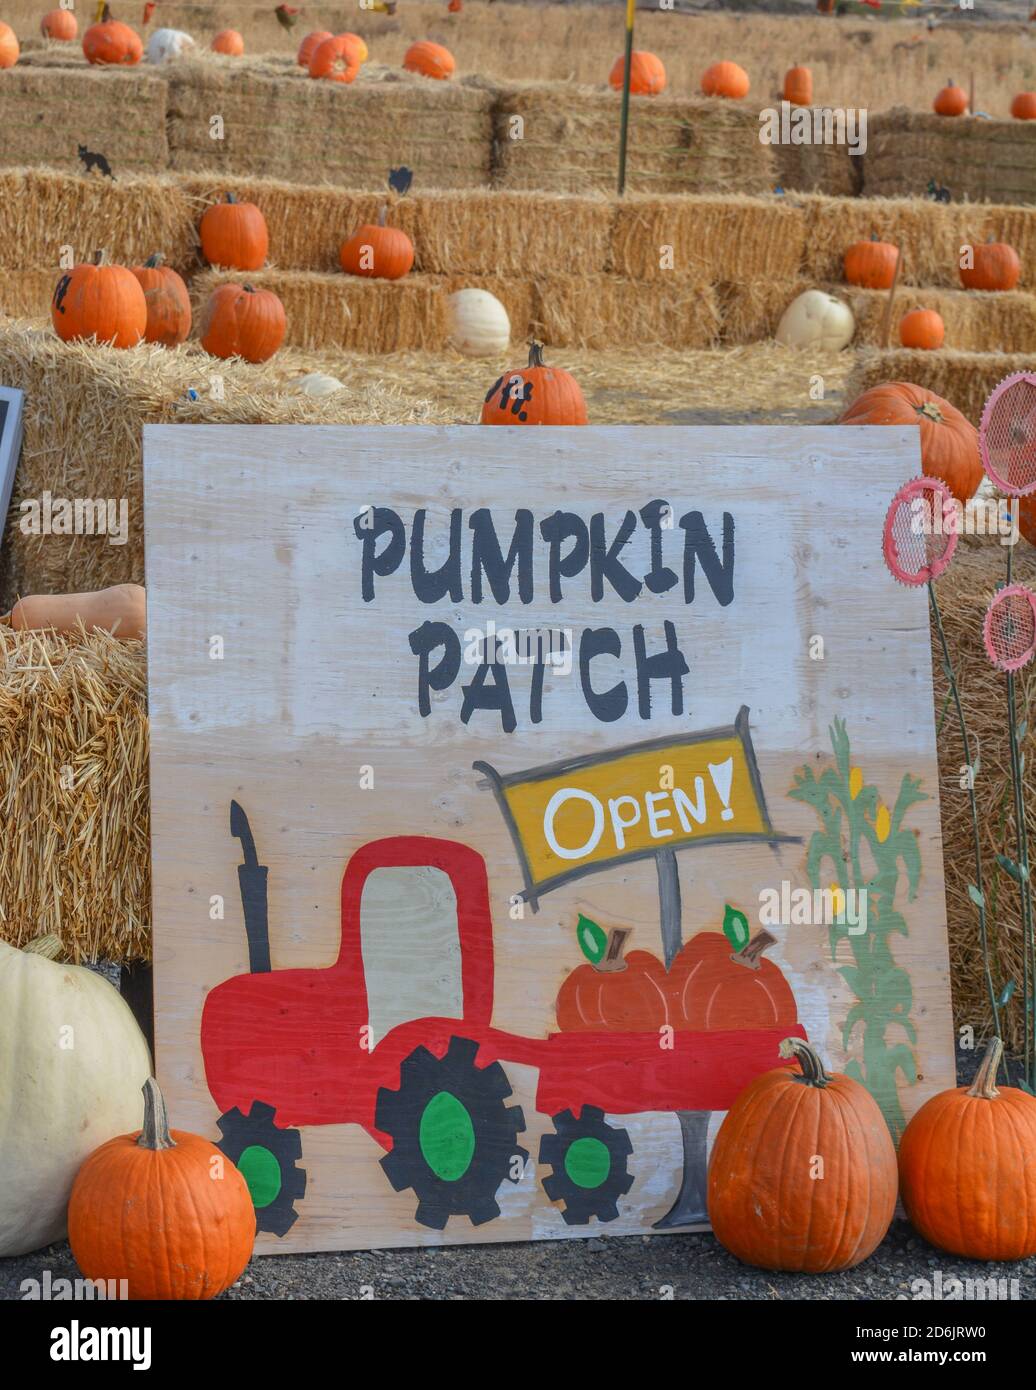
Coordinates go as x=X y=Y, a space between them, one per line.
x=604 y=311
x=74 y=805
x=973 y=319
x=27 y=293
x=86 y=406
x=47 y=112
x=965 y=379
x=287 y=127
x=977 y=160
x=42 y=210
x=750 y=310
x=964 y=592
x=829 y=169
x=713 y=237
x=570 y=141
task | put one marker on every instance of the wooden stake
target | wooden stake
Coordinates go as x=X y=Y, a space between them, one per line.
x=887 y=322
x=971 y=94
x=631 y=6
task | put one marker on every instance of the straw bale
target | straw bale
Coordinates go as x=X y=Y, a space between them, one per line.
x=977 y=160
x=965 y=379
x=829 y=169
x=26 y=293
x=714 y=237
x=74 y=806
x=974 y=320
x=287 y=127
x=751 y=309
x=86 y=406
x=570 y=141
x=46 y=113
x=42 y=210
x=603 y=311
x=964 y=592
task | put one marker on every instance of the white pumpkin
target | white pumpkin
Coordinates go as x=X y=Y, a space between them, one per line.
x=72 y=1062
x=317 y=384
x=166 y=44
x=816 y=320
x=478 y=323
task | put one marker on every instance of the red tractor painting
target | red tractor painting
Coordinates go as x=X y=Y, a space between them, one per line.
x=396 y=1035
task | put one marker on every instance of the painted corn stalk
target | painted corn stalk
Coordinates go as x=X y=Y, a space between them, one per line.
x=864 y=846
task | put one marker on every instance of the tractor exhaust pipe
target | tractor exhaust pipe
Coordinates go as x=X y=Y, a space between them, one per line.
x=251 y=877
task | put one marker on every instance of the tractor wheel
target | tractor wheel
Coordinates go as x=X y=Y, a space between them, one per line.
x=266 y=1157
x=454 y=1141
x=588 y=1157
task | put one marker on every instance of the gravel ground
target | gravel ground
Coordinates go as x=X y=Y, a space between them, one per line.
x=630 y=1267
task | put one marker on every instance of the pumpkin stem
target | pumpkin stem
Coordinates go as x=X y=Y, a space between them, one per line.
x=106 y=15
x=930 y=411
x=613 y=959
x=230 y=197
x=383 y=215
x=155 y=260
x=813 y=1071
x=535 y=354
x=984 y=1084
x=155 y=1134
x=49 y=946
x=100 y=257
x=752 y=954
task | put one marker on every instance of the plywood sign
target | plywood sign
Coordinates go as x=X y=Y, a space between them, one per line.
x=515 y=792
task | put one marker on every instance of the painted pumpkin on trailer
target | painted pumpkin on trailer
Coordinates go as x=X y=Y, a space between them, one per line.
x=112 y=43
x=1023 y=108
x=922 y=328
x=536 y=395
x=996 y=267
x=99 y=301
x=167 y=300
x=9 y=47
x=767 y=1204
x=61 y=25
x=725 y=80
x=229 y=42
x=721 y=980
x=949 y=442
x=965 y=1170
x=871 y=264
x=310 y=44
x=234 y=235
x=146 y=1207
x=377 y=251
x=429 y=60
x=335 y=60
x=612 y=992
x=241 y=321
x=798 y=86
x=647 y=75
x=951 y=101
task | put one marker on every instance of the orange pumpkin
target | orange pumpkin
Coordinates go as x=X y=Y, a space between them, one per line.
x=335 y=59
x=234 y=235
x=162 y=1209
x=798 y=86
x=230 y=42
x=310 y=44
x=769 y=1204
x=535 y=395
x=429 y=59
x=951 y=101
x=59 y=24
x=996 y=267
x=99 y=301
x=949 y=442
x=1023 y=108
x=377 y=251
x=1027 y=517
x=725 y=80
x=241 y=321
x=965 y=1168
x=359 y=46
x=871 y=264
x=614 y=992
x=9 y=47
x=922 y=328
x=167 y=300
x=647 y=75
x=112 y=43
x=721 y=980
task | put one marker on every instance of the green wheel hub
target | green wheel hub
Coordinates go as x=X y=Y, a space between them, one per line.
x=447 y=1137
x=588 y=1162
x=262 y=1172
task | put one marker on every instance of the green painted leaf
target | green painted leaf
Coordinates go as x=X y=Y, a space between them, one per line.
x=1010 y=867
x=1022 y=730
x=593 y=940
x=979 y=899
x=735 y=927
x=1005 y=993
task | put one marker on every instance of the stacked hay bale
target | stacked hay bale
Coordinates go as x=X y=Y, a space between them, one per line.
x=965 y=379
x=977 y=160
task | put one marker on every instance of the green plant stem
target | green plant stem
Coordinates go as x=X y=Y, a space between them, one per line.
x=983 y=935
x=1024 y=887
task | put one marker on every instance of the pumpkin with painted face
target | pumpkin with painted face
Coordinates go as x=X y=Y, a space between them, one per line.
x=99 y=301
x=535 y=395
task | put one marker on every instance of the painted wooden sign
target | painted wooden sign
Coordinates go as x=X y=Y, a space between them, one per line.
x=515 y=793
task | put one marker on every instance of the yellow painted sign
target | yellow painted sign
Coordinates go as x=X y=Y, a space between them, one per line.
x=574 y=817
